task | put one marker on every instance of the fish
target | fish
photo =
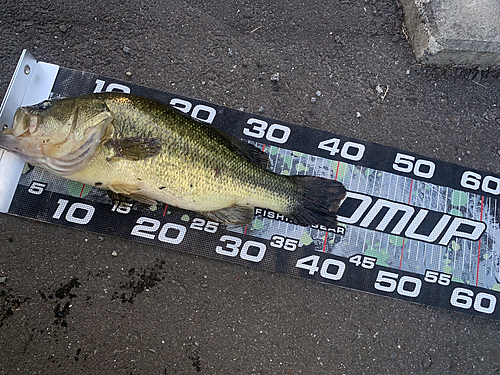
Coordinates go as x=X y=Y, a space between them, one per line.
x=151 y=152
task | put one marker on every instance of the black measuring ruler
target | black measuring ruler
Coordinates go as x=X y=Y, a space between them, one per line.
x=412 y=227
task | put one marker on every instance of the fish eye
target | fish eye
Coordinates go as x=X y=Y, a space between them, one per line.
x=46 y=104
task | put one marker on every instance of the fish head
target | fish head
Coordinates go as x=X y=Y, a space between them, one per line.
x=60 y=135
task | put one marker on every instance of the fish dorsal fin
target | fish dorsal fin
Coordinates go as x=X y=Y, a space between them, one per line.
x=133 y=148
x=231 y=215
x=246 y=150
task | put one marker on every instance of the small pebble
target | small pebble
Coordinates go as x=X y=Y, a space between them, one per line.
x=337 y=39
x=498 y=152
x=318 y=93
x=379 y=89
x=230 y=53
x=358 y=115
x=128 y=74
x=2 y=280
x=313 y=100
x=127 y=50
x=275 y=77
x=114 y=253
x=261 y=109
x=63 y=28
x=407 y=71
x=426 y=361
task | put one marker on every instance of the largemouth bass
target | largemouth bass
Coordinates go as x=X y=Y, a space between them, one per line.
x=148 y=151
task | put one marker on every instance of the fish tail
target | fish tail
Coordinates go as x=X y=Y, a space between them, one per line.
x=318 y=201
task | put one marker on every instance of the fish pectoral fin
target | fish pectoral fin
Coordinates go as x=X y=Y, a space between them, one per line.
x=231 y=215
x=109 y=132
x=132 y=192
x=133 y=148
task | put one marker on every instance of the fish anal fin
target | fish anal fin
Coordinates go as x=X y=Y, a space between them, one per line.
x=133 y=148
x=231 y=215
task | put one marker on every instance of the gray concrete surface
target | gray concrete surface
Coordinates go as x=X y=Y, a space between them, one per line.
x=454 y=32
x=192 y=315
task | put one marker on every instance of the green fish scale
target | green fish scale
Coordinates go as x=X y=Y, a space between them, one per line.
x=195 y=161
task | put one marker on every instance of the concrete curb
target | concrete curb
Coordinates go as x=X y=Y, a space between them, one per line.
x=454 y=32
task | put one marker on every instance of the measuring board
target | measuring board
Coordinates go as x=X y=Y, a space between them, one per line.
x=411 y=227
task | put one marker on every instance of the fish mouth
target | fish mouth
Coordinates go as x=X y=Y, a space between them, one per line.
x=32 y=149
x=25 y=123
x=72 y=162
x=15 y=139
x=9 y=142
